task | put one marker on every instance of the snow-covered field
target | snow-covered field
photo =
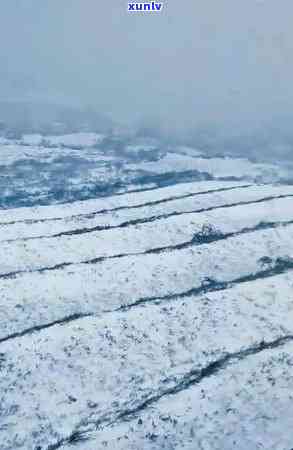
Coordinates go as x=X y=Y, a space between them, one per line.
x=44 y=170
x=160 y=318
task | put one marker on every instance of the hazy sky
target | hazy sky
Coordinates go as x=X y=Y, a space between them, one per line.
x=196 y=60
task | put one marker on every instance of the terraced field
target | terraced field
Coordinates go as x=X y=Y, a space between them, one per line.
x=158 y=319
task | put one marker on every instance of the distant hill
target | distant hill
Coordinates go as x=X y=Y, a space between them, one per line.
x=17 y=118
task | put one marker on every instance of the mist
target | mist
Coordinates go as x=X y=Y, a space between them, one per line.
x=221 y=63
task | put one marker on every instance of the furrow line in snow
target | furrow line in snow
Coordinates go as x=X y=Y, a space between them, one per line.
x=134 y=222
x=123 y=207
x=188 y=380
x=162 y=201
x=197 y=240
x=280 y=266
x=201 y=239
x=139 y=221
x=44 y=326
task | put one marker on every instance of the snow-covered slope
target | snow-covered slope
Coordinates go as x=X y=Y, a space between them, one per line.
x=159 y=319
x=68 y=140
x=44 y=170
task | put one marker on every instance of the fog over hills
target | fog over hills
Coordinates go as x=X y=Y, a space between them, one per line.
x=146 y=225
x=222 y=65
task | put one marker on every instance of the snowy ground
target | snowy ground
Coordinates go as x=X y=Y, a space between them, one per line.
x=154 y=319
x=46 y=170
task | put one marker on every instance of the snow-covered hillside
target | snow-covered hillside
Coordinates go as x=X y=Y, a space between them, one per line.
x=44 y=170
x=154 y=310
x=158 y=319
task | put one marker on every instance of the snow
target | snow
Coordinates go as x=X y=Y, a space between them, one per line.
x=136 y=148
x=157 y=319
x=111 y=283
x=113 y=363
x=218 y=167
x=88 y=215
x=32 y=139
x=185 y=150
x=173 y=231
x=248 y=405
x=67 y=140
x=129 y=199
x=46 y=170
